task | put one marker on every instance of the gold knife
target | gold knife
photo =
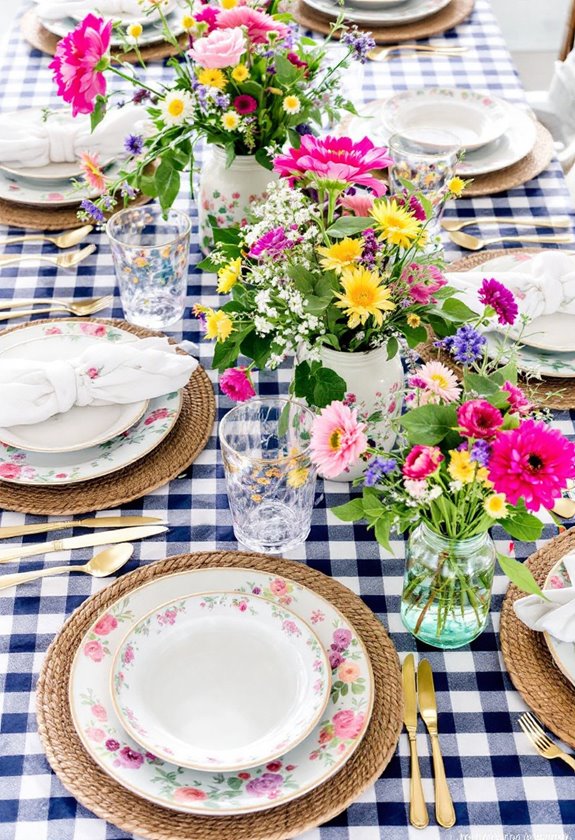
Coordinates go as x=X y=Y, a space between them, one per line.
x=97 y=522
x=418 y=816
x=89 y=541
x=444 y=810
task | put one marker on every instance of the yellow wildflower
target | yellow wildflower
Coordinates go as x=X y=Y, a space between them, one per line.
x=395 y=224
x=240 y=73
x=212 y=78
x=340 y=254
x=230 y=120
x=413 y=320
x=461 y=467
x=134 y=30
x=291 y=104
x=228 y=275
x=219 y=325
x=298 y=477
x=456 y=185
x=495 y=506
x=229 y=4
x=363 y=295
x=188 y=22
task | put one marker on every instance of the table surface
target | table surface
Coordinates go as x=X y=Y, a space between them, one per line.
x=500 y=786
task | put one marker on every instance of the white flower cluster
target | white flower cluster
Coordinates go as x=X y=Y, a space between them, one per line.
x=284 y=207
x=420 y=492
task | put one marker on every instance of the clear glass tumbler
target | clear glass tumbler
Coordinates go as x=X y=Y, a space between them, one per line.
x=151 y=255
x=269 y=475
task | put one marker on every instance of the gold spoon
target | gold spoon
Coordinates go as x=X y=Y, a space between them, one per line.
x=81 y=307
x=64 y=240
x=474 y=243
x=103 y=564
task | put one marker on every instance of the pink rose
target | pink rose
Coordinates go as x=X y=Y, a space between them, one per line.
x=189 y=794
x=92 y=373
x=479 y=419
x=94 y=651
x=10 y=470
x=422 y=461
x=53 y=331
x=105 y=625
x=237 y=385
x=99 y=712
x=347 y=724
x=129 y=758
x=219 y=48
x=95 y=734
x=99 y=330
x=278 y=586
x=128 y=655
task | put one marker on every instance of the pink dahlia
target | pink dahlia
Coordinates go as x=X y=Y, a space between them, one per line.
x=236 y=384
x=335 y=159
x=501 y=299
x=258 y=24
x=421 y=462
x=422 y=282
x=532 y=462
x=518 y=402
x=78 y=62
x=245 y=104
x=479 y=419
x=337 y=439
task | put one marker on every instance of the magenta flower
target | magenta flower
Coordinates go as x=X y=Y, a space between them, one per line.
x=337 y=439
x=479 y=419
x=129 y=758
x=498 y=297
x=258 y=24
x=294 y=59
x=78 y=62
x=518 y=402
x=532 y=462
x=336 y=159
x=209 y=16
x=421 y=462
x=237 y=385
x=245 y=104
x=271 y=244
x=422 y=282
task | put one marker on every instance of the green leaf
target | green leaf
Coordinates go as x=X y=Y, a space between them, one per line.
x=522 y=525
x=304 y=280
x=286 y=72
x=350 y=512
x=519 y=574
x=392 y=347
x=414 y=335
x=230 y=155
x=257 y=347
x=349 y=225
x=235 y=783
x=302 y=385
x=429 y=424
x=263 y=159
x=228 y=236
x=167 y=180
x=98 y=113
x=147 y=185
x=328 y=386
x=382 y=529
x=316 y=305
x=458 y=310
x=482 y=385
x=507 y=372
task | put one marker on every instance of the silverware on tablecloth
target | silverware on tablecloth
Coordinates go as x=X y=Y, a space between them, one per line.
x=89 y=541
x=96 y=522
x=103 y=564
x=63 y=240
x=444 y=810
x=474 y=243
x=542 y=743
x=82 y=308
x=418 y=815
x=383 y=53
x=59 y=260
x=534 y=221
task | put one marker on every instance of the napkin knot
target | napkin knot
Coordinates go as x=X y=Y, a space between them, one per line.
x=63 y=380
x=61 y=143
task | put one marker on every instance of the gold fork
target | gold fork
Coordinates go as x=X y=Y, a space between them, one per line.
x=64 y=240
x=383 y=53
x=544 y=745
x=59 y=260
x=534 y=221
x=475 y=243
x=85 y=307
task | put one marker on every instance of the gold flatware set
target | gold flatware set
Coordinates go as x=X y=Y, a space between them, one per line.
x=422 y=693
x=383 y=53
x=89 y=306
x=61 y=241
x=475 y=243
x=101 y=565
x=454 y=228
x=542 y=743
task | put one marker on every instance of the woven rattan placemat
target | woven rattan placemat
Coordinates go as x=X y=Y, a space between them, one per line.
x=548 y=392
x=528 y=659
x=42 y=39
x=109 y=800
x=48 y=218
x=174 y=454
x=456 y=12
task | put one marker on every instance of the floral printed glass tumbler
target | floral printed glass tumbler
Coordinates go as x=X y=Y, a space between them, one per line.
x=269 y=475
x=151 y=251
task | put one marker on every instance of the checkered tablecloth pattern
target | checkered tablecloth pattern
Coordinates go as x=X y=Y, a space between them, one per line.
x=500 y=787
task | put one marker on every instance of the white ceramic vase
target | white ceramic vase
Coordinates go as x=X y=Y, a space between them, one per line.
x=227 y=192
x=374 y=383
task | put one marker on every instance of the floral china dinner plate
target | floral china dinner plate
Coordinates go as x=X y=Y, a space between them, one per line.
x=37 y=194
x=225 y=683
x=534 y=361
x=562 y=652
x=152 y=34
x=314 y=760
x=408 y=12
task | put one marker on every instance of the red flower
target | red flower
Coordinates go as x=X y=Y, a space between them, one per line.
x=479 y=419
x=236 y=384
x=274 y=766
x=245 y=104
x=421 y=462
x=78 y=62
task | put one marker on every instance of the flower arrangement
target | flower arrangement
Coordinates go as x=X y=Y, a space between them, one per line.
x=328 y=261
x=245 y=81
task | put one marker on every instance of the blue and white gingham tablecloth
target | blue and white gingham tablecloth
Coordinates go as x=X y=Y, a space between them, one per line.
x=501 y=789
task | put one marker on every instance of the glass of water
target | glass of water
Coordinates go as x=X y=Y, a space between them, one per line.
x=269 y=475
x=151 y=255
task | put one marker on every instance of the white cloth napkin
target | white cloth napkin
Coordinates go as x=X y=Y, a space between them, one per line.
x=53 y=141
x=542 y=284
x=556 y=616
x=54 y=10
x=562 y=93
x=105 y=373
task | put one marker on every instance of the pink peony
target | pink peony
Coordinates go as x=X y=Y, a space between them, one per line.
x=518 y=402
x=336 y=159
x=95 y=734
x=98 y=330
x=78 y=62
x=479 y=419
x=10 y=470
x=359 y=204
x=237 y=385
x=422 y=282
x=94 y=651
x=258 y=24
x=99 y=712
x=347 y=723
x=189 y=794
x=532 y=462
x=129 y=758
x=337 y=439
x=105 y=625
x=421 y=462
x=219 y=48
x=278 y=586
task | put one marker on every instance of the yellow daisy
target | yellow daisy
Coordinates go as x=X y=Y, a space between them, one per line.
x=363 y=295
x=219 y=325
x=230 y=120
x=495 y=506
x=456 y=186
x=341 y=254
x=134 y=30
x=212 y=78
x=291 y=104
x=413 y=320
x=228 y=275
x=188 y=22
x=461 y=467
x=396 y=225
x=240 y=73
x=229 y=4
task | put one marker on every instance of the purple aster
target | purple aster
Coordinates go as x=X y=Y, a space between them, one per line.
x=92 y=210
x=370 y=247
x=360 y=44
x=140 y=96
x=271 y=244
x=377 y=468
x=494 y=294
x=303 y=129
x=466 y=346
x=481 y=452
x=127 y=190
x=134 y=143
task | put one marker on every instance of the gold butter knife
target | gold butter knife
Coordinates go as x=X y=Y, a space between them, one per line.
x=444 y=810
x=97 y=522
x=418 y=815
x=106 y=538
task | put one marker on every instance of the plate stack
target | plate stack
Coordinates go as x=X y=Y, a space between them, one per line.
x=378 y=13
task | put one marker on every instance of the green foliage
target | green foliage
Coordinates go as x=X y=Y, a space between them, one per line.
x=519 y=574
x=317 y=384
x=429 y=424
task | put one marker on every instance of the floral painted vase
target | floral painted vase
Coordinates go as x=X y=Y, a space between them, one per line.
x=227 y=192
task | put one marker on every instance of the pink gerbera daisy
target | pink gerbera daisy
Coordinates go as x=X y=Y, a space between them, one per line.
x=78 y=62
x=532 y=462
x=245 y=104
x=438 y=381
x=92 y=171
x=338 y=439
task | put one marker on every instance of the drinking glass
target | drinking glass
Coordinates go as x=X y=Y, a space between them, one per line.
x=269 y=475
x=151 y=254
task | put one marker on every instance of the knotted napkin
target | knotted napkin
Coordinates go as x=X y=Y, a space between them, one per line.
x=542 y=283
x=557 y=615
x=104 y=374
x=57 y=141
x=54 y=10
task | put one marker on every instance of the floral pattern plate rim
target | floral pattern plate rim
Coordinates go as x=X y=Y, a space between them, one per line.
x=152 y=33
x=563 y=653
x=312 y=762
x=269 y=684
x=409 y=12
x=534 y=361
x=24 y=191
x=21 y=466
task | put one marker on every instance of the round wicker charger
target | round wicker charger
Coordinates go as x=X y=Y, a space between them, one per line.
x=547 y=392
x=453 y=14
x=48 y=218
x=42 y=39
x=109 y=800
x=528 y=659
x=174 y=454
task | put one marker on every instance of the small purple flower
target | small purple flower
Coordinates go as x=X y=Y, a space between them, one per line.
x=265 y=784
x=341 y=639
x=501 y=299
x=481 y=452
x=377 y=468
x=303 y=129
x=256 y=590
x=271 y=244
x=112 y=745
x=140 y=96
x=370 y=247
x=466 y=346
x=360 y=43
x=134 y=143
x=335 y=658
x=127 y=190
x=130 y=758
x=92 y=210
